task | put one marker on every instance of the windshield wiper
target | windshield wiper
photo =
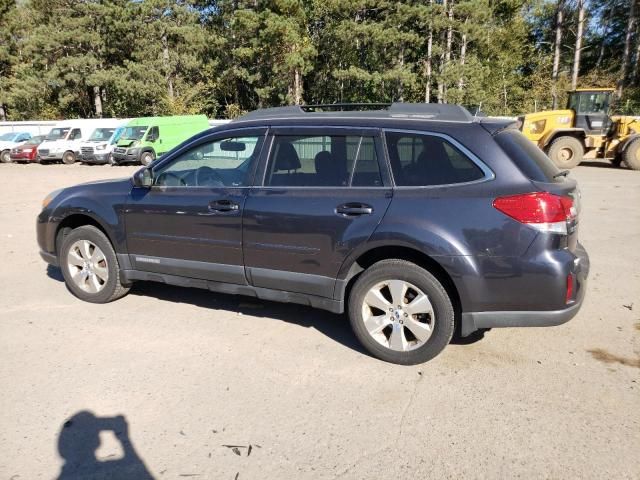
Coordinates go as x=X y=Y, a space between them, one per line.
x=562 y=173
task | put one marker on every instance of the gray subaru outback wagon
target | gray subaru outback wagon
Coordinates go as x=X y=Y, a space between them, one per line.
x=415 y=219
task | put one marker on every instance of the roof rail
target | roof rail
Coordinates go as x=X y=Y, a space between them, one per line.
x=426 y=111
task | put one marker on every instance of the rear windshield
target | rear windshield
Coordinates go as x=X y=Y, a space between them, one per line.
x=527 y=156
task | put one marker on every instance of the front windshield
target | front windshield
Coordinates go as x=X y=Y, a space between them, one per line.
x=101 y=134
x=7 y=137
x=37 y=140
x=134 y=133
x=57 y=133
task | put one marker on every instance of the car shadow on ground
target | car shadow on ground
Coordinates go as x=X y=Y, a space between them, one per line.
x=78 y=443
x=333 y=326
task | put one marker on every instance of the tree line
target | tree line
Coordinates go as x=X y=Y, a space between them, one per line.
x=127 y=58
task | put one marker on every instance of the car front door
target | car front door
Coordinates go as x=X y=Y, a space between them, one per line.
x=189 y=223
x=321 y=193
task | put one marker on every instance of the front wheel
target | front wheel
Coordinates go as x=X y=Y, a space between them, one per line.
x=631 y=155
x=566 y=152
x=90 y=266
x=5 y=156
x=69 y=158
x=401 y=313
x=146 y=158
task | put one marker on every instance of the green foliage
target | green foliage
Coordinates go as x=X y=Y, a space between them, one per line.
x=84 y=58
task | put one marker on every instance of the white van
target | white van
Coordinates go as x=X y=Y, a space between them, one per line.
x=99 y=147
x=63 y=141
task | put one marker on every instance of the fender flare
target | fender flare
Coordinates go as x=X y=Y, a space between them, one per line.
x=624 y=144
x=145 y=150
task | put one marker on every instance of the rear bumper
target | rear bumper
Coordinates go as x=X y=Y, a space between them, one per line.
x=472 y=321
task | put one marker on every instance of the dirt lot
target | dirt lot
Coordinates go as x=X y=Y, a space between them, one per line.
x=288 y=389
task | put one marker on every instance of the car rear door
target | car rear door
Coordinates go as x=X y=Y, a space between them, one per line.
x=320 y=193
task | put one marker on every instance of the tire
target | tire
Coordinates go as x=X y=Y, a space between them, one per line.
x=69 y=158
x=5 y=157
x=566 y=152
x=631 y=155
x=409 y=349
x=617 y=160
x=104 y=285
x=111 y=161
x=146 y=158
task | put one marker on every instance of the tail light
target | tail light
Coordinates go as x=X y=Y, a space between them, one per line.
x=541 y=210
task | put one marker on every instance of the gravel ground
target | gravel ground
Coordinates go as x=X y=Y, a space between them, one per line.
x=202 y=385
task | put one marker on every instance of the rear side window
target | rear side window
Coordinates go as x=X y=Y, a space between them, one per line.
x=323 y=161
x=419 y=160
x=527 y=156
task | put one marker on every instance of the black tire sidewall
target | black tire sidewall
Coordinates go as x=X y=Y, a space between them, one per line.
x=5 y=156
x=443 y=309
x=630 y=155
x=566 y=142
x=98 y=238
x=66 y=155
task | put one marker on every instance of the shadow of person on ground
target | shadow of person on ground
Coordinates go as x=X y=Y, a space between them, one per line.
x=79 y=440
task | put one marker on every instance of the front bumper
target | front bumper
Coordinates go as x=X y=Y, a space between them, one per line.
x=472 y=321
x=50 y=258
x=95 y=157
x=126 y=157
x=22 y=157
x=50 y=155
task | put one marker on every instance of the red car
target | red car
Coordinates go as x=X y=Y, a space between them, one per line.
x=28 y=151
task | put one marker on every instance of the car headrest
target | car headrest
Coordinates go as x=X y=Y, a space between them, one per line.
x=287 y=158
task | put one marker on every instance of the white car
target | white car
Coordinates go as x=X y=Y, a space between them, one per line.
x=64 y=140
x=10 y=140
x=99 y=147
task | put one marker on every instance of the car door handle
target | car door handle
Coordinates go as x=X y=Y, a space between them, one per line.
x=354 y=209
x=223 y=206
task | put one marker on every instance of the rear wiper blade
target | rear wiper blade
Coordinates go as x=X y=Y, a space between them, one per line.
x=562 y=173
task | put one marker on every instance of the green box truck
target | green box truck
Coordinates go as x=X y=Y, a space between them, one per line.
x=147 y=138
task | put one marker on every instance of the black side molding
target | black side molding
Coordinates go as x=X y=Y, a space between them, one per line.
x=334 y=306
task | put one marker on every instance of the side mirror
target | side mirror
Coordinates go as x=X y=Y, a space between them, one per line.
x=143 y=178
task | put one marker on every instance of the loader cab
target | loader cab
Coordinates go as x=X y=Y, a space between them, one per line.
x=591 y=107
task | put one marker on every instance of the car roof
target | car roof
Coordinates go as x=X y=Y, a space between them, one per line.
x=393 y=111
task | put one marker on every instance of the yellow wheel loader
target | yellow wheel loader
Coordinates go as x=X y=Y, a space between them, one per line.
x=585 y=130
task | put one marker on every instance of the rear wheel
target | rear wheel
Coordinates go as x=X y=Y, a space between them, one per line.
x=401 y=313
x=146 y=158
x=631 y=155
x=90 y=266
x=69 y=158
x=566 y=152
x=5 y=157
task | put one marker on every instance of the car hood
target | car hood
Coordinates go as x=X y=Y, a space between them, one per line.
x=7 y=144
x=126 y=143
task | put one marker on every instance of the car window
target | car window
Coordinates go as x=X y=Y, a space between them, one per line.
x=153 y=135
x=75 y=134
x=323 y=161
x=419 y=160
x=23 y=137
x=531 y=161
x=223 y=162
